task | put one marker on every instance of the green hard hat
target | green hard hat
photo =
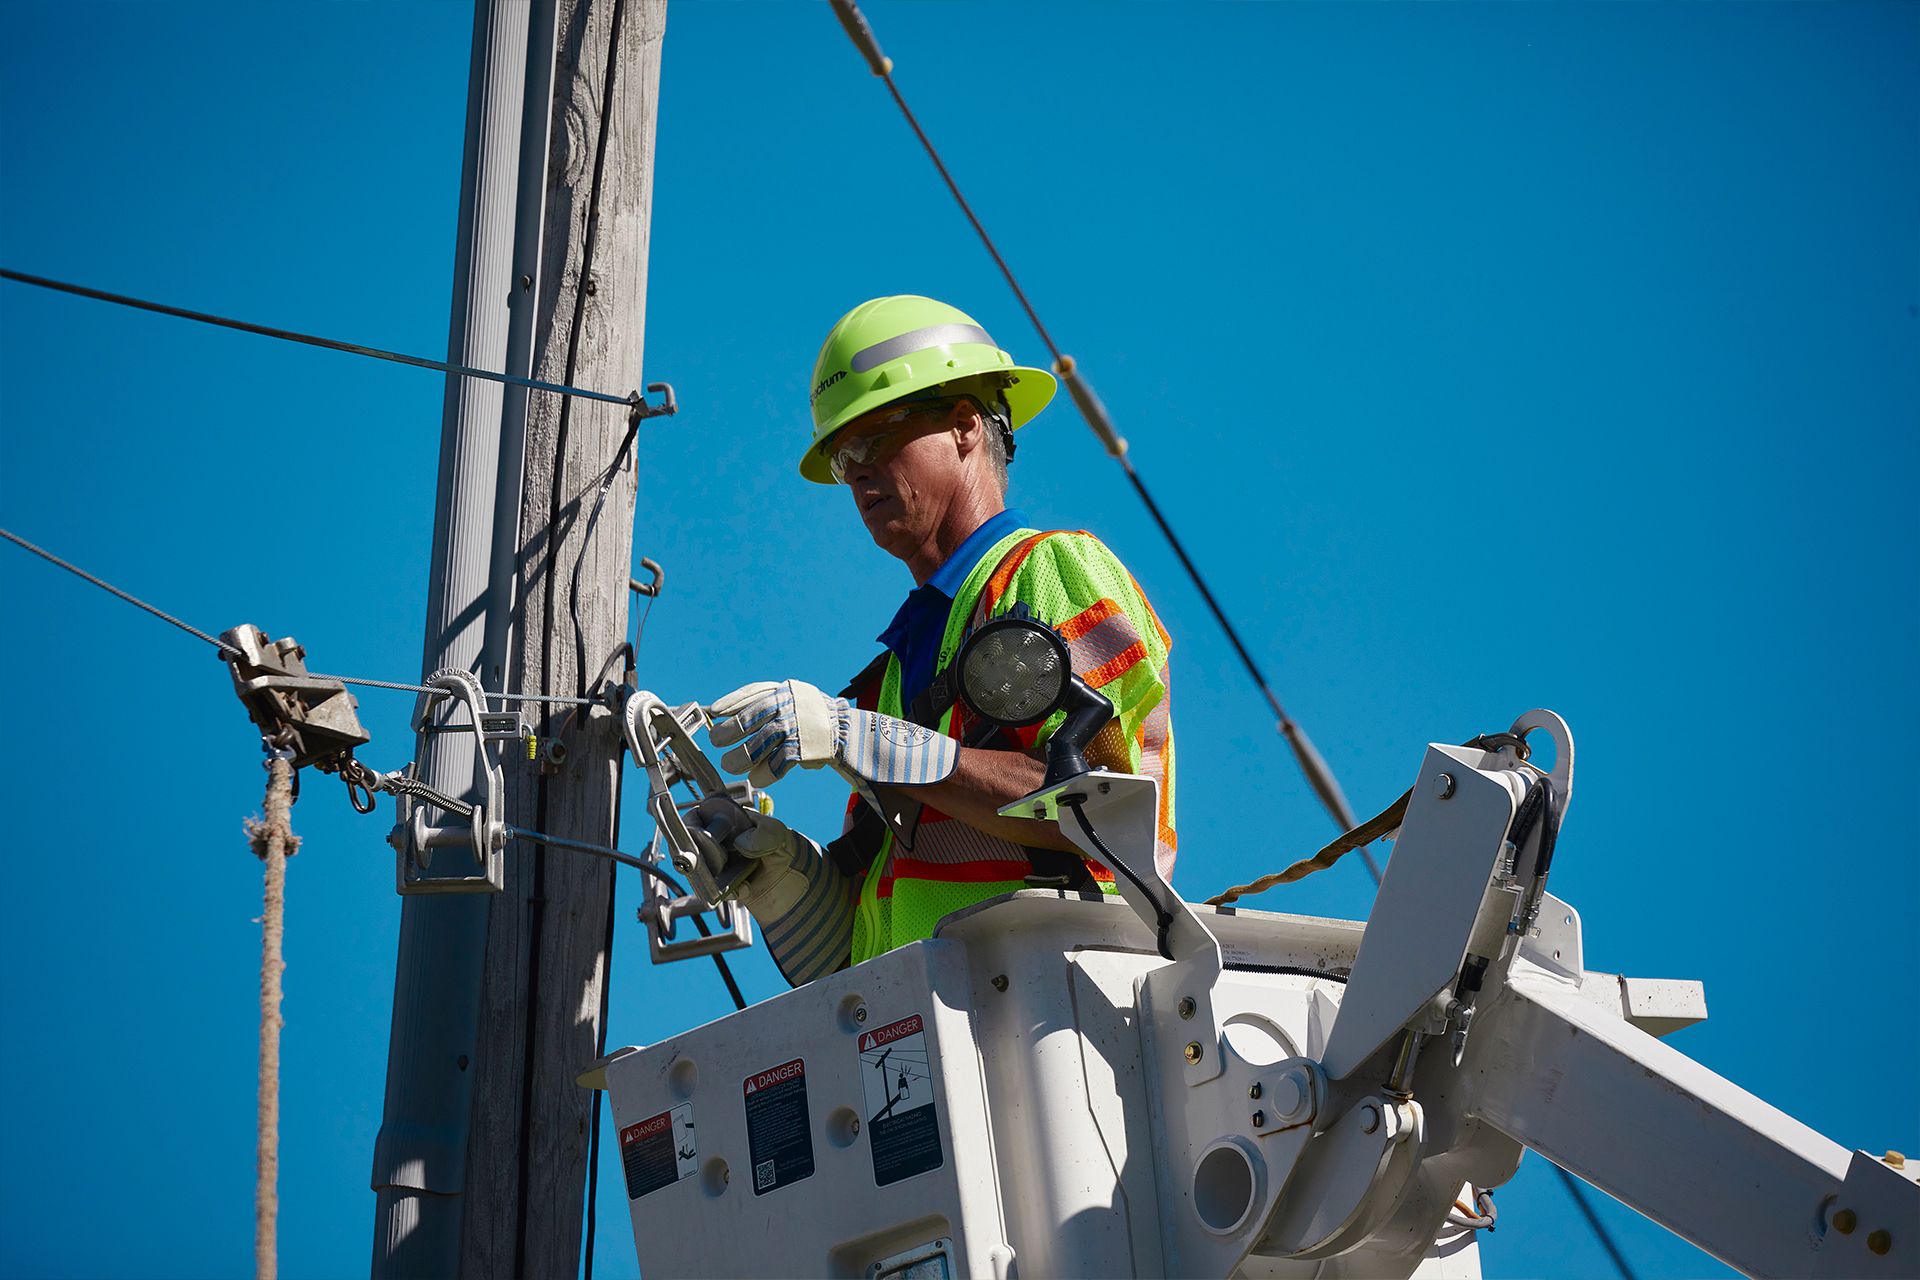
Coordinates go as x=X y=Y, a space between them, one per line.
x=893 y=348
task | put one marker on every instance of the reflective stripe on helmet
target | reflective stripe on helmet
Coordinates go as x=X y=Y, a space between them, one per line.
x=935 y=335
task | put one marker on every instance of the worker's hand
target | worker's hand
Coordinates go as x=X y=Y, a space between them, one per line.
x=755 y=856
x=781 y=725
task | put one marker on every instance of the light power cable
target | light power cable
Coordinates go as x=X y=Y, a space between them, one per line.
x=1318 y=775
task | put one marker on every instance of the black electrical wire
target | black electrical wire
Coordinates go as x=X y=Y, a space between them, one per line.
x=1579 y=1194
x=308 y=339
x=538 y=899
x=1319 y=777
x=1165 y=917
x=726 y=974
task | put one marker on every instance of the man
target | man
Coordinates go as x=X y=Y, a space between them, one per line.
x=914 y=410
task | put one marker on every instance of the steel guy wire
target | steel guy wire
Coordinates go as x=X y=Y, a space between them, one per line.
x=221 y=645
x=312 y=340
x=1319 y=777
x=104 y=585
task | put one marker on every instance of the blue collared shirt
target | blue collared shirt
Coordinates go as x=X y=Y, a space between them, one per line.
x=915 y=633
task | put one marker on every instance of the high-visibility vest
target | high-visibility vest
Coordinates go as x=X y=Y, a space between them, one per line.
x=904 y=892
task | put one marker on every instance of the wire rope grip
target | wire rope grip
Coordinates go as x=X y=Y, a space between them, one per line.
x=311 y=717
x=661 y=740
x=456 y=704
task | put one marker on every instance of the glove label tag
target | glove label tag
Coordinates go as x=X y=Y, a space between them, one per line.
x=779 y=1134
x=659 y=1151
x=897 y=1079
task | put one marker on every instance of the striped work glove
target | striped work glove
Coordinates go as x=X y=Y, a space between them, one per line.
x=781 y=725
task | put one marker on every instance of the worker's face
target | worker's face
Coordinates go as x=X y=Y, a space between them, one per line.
x=903 y=473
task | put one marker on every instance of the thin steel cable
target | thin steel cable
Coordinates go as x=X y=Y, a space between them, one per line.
x=1318 y=777
x=311 y=340
x=600 y=851
x=106 y=586
x=217 y=643
x=427 y=688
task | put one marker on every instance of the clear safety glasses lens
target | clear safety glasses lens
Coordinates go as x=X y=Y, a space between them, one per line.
x=875 y=440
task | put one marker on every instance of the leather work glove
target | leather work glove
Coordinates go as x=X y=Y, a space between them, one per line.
x=781 y=725
x=756 y=857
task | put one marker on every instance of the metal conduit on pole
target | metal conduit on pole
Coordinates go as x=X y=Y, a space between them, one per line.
x=419 y=1165
x=528 y=248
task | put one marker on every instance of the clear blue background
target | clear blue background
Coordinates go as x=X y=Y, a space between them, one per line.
x=1487 y=357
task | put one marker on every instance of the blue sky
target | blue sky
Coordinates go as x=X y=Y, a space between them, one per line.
x=1487 y=356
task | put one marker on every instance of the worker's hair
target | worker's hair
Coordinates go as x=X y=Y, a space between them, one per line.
x=999 y=426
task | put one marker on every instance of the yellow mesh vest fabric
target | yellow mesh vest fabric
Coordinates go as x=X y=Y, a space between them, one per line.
x=1073 y=583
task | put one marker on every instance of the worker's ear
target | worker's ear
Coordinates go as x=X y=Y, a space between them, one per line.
x=969 y=428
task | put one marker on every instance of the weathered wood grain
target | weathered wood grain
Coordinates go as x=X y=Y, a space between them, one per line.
x=545 y=962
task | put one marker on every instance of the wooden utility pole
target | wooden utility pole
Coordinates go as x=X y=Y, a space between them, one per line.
x=546 y=958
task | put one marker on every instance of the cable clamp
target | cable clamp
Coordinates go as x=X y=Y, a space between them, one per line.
x=661 y=740
x=311 y=718
x=453 y=703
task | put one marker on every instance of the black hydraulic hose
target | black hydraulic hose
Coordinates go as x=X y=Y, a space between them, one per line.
x=1549 y=830
x=1165 y=920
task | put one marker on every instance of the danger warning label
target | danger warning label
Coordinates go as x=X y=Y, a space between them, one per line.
x=779 y=1137
x=897 y=1079
x=659 y=1151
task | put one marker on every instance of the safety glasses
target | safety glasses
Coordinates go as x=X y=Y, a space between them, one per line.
x=878 y=439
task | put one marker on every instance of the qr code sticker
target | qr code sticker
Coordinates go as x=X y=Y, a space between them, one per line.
x=763 y=1175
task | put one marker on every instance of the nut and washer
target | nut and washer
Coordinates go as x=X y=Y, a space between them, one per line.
x=1253 y=1091
x=1187 y=1006
x=860 y=1014
x=1194 y=1053
x=1259 y=1119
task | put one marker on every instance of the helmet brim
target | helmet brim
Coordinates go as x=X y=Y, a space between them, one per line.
x=1028 y=394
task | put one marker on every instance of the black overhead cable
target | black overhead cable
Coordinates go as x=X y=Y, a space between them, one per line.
x=108 y=587
x=1579 y=1194
x=331 y=344
x=226 y=648
x=1318 y=775
x=538 y=898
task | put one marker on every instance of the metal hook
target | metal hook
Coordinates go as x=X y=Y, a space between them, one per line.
x=638 y=409
x=649 y=589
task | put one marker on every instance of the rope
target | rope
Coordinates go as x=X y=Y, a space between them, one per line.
x=1319 y=777
x=273 y=840
x=1364 y=834
x=331 y=344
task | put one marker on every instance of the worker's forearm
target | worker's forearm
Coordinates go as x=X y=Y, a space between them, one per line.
x=981 y=782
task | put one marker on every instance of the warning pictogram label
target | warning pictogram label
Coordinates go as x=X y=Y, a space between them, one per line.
x=779 y=1140
x=897 y=1079
x=659 y=1151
